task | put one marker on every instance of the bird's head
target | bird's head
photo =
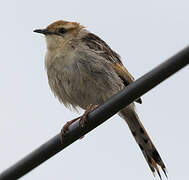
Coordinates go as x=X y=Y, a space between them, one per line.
x=60 y=32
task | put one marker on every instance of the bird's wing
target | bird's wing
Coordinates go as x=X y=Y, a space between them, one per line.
x=99 y=46
x=126 y=77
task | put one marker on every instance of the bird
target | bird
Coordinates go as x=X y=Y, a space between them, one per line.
x=83 y=72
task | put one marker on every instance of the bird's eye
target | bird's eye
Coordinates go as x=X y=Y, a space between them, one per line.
x=62 y=30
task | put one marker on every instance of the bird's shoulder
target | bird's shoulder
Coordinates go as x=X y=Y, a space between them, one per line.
x=96 y=44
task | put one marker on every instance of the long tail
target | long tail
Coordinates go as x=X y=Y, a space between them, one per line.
x=143 y=140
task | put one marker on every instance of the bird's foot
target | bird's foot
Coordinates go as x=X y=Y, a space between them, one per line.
x=82 y=120
x=67 y=125
x=89 y=109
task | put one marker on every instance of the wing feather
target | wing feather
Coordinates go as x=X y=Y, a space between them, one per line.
x=99 y=46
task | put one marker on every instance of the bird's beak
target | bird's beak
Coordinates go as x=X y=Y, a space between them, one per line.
x=43 y=31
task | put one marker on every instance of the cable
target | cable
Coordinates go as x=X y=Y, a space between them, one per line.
x=98 y=116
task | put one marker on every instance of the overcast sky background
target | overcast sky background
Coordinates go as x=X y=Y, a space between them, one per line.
x=144 y=33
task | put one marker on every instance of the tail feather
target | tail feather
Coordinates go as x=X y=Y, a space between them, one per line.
x=143 y=140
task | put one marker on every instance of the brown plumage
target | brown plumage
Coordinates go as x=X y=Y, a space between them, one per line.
x=82 y=70
x=97 y=44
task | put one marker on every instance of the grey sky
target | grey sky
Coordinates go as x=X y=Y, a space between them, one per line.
x=144 y=33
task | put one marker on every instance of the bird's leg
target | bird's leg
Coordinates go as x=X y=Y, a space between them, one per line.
x=66 y=126
x=81 y=119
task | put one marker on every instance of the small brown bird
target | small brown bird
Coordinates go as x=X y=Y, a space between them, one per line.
x=82 y=70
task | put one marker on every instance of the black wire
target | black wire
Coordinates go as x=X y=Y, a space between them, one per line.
x=98 y=116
